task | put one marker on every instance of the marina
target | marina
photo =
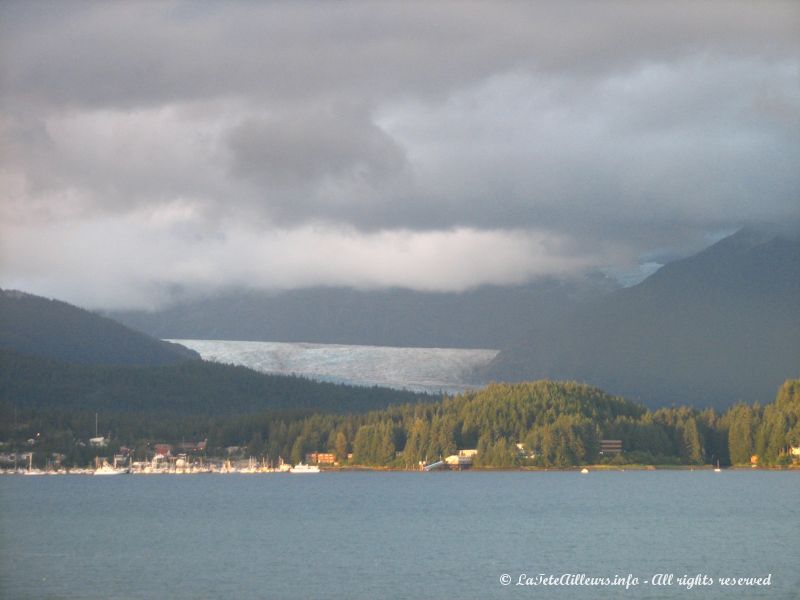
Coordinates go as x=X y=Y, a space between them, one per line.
x=175 y=467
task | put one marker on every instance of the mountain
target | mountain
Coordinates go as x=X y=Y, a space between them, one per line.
x=486 y=317
x=187 y=389
x=56 y=356
x=717 y=327
x=35 y=326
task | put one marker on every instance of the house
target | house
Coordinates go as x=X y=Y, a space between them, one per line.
x=462 y=460
x=522 y=452
x=163 y=450
x=98 y=442
x=193 y=446
x=610 y=447
x=320 y=458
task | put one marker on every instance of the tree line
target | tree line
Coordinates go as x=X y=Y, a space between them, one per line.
x=543 y=423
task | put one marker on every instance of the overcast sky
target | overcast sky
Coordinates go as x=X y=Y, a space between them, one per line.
x=157 y=149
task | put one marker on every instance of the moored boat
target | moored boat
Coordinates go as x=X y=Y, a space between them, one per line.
x=107 y=469
x=301 y=468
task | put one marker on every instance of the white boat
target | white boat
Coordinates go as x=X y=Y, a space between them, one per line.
x=301 y=468
x=252 y=467
x=107 y=469
x=584 y=471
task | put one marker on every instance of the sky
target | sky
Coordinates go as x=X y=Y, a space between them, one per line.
x=156 y=151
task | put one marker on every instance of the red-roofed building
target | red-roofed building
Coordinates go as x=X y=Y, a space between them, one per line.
x=163 y=450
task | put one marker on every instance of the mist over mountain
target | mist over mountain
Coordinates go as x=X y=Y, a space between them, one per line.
x=486 y=317
x=717 y=327
x=35 y=326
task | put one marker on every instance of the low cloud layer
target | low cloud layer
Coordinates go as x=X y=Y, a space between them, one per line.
x=122 y=275
x=155 y=147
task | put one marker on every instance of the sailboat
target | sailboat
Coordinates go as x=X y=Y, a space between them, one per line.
x=31 y=470
x=107 y=469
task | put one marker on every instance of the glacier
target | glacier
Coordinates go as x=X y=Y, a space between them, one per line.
x=431 y=370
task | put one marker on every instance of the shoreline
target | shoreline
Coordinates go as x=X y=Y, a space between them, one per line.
x=577 y=469
x=387 y=470
x=373 y=469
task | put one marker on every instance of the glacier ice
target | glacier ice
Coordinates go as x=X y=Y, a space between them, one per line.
x=417 y=369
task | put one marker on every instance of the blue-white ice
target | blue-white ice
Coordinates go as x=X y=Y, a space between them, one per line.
x=418 y=369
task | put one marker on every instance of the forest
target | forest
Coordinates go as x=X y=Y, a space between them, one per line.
x=173 y=392
x=542 y=424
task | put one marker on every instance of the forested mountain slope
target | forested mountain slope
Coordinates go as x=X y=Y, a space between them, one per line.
x=720 y=326
x=36 y=326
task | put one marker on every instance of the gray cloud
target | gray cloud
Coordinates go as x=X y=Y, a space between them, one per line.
x=299 y=164
x=623 y=130
x=137 y=53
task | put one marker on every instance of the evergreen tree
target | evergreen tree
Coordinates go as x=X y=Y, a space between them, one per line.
x=692 y=447
x=255 y=446
x=740 y=434
x=297 y=454
x=340 y=446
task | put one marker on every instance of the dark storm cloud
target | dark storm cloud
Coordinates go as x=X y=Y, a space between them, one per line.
x=608 y=131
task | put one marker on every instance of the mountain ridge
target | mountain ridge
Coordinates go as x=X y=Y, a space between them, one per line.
x=720 y=326
x=37 y=326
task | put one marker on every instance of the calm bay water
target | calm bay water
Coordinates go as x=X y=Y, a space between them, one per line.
x=395 y=535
